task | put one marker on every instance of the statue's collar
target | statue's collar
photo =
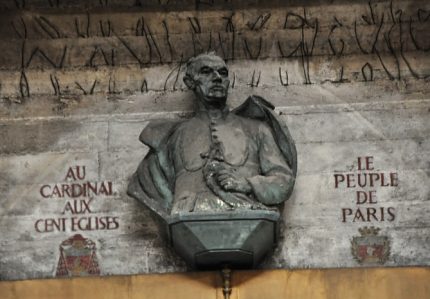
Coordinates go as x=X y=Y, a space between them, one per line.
x=213 y=114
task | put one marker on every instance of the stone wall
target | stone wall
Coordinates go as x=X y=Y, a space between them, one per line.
x=80 y=79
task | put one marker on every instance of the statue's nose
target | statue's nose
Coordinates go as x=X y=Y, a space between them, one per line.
x=217 y=76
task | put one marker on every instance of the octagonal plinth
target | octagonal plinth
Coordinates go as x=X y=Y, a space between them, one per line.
x=239 y=239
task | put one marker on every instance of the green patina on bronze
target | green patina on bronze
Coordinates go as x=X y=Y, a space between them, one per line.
x=219 y=161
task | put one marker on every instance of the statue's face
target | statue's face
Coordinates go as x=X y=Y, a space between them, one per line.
x=211 y=81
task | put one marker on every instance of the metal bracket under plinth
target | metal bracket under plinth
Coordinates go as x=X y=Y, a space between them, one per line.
x=226 y=282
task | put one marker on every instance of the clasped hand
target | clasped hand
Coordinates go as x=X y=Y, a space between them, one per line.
x=231 y=182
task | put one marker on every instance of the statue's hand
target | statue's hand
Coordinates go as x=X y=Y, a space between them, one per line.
x=231 y=182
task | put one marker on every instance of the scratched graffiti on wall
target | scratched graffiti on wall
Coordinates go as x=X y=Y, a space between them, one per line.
x=362 y=42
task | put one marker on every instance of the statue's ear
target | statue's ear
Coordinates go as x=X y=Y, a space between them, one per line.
x=189 y=82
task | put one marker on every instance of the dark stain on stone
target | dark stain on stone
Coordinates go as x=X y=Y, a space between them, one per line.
x=26 y=237
x=20 y=138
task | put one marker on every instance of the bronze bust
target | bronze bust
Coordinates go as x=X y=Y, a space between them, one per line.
x=216 y=182
x=219 y=160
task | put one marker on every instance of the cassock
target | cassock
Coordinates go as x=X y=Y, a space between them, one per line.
x=179 y=173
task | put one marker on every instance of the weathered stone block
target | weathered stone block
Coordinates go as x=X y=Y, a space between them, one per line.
x=125 y=135
x=39 y=136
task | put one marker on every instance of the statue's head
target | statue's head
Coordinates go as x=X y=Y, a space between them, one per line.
x=207 y=76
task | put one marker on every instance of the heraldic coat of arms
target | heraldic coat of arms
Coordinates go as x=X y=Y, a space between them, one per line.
x=77 y=257
x=370 y=248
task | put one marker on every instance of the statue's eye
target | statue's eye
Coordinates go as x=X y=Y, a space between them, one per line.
x=205 y=70
x=223 y=72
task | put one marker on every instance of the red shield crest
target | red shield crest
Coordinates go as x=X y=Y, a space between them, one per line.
x=77 y=257
x=370 y=248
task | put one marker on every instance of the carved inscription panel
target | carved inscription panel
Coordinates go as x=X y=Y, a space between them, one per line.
x=364 y=183
x=79 y=82
x=78 y=196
